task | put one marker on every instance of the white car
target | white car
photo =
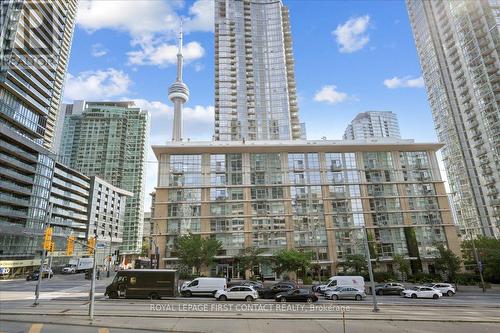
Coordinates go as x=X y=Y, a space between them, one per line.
x=69 y=270
x=422 y=292
x=445 y=288
x=237 y=293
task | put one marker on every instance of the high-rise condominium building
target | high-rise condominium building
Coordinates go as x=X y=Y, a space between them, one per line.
x=108 y=140
x=255 y=93
x=309 y=195
x=458 y=44
x=373 y=124
x=35 y=39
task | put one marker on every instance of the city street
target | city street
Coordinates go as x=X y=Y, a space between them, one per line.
x=64 y=301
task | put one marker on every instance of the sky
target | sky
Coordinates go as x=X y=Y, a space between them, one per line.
x=350 y=57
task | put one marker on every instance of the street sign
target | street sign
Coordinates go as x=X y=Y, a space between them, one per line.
x=480 y=266
x=101 y=245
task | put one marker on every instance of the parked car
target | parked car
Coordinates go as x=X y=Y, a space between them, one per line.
x=445 y=288
x=357 y=282
x=46 y=273
x=237 y=293
x=280 y=287
x=345 y=293
x=422 y=292
x=390 y=288
x=4 y=271
x=254 y=284
x=297 y=295
x=203 y=286
x=69 y=269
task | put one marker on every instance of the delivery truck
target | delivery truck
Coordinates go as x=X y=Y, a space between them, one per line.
x=78 y=265
x=144 y=283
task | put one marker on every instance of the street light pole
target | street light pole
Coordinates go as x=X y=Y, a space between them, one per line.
x=92 y=284
x=44 y=254
x=370 y=271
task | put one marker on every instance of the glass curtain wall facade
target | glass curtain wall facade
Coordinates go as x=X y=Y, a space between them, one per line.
x=458 y=45
x=373 y=124
x=255 y=92
x=309 y=197
x=109 y=140
x=35 y=39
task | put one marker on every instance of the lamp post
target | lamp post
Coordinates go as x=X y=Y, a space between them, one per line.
x=42 y=263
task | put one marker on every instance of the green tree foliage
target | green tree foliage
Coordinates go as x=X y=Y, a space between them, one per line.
x=145 y=248
x=403 y=265
x=489 y=253
x=355 y=263
x=292 y=261
x=249 y=258
x=448 y=262
x=195 y=251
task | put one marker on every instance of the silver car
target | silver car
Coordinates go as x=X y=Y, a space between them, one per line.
x=345 y=293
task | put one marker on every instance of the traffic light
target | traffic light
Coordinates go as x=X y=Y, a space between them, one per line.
x=91 y=246
x=47 y=239
x=52 y=246
x=70 y=245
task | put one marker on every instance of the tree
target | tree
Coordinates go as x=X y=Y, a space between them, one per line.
x=403 y=265
x=145 y=248
x=355 y=263
x=448 y=262
x=292 y=261
x=488 y=250
x=249 y=258
x=195 y=251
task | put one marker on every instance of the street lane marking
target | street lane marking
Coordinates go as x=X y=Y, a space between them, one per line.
x=103 y=330
x=35 y=328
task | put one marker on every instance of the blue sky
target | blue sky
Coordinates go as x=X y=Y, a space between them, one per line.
x=350 y=57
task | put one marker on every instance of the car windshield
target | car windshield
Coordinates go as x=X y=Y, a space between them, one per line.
x=415 y=288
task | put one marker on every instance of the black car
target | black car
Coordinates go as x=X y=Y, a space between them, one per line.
x=47 y=273
x=280 y=287
x=389 y=289
x=297 y=295
x=254 y=284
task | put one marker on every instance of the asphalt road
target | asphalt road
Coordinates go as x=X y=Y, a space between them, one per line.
x=64 y=302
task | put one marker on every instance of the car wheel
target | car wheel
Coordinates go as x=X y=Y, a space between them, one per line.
x=401 y=293
x=435 y=296
x=249 y=298
x=380 y=293
x=223 y=298
x=113 y=295
x=309 y=300
x=283 y=299
x=450 y=293
x=335 y=297
x=188 y=293
x=358 y=298
x=154 y=296
x=413 y=295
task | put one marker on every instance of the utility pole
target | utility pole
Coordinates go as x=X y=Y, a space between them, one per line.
x=44 y=254
x=478 y=262
x=370 y=271
x=92 y=283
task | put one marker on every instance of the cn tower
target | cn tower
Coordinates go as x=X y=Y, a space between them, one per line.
x=178 y=93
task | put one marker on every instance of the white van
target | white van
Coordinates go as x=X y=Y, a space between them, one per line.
x=343 y=281
x=203 y=286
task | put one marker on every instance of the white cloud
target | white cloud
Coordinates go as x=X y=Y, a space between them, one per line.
x=152 y=25
x=96 y=85
x=404 y=82
x=351 y=36
x=202 y=16
x=163 y=54
x=330 y=95
x=135 y=17
x=98 y=50
x=198 y=67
